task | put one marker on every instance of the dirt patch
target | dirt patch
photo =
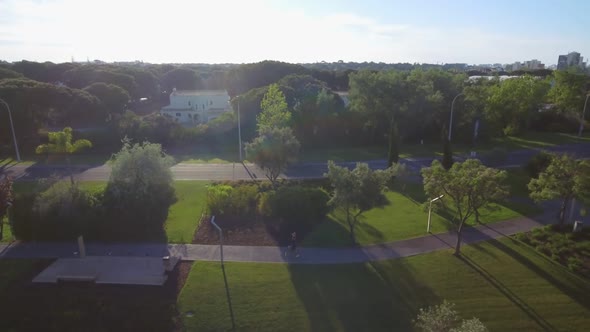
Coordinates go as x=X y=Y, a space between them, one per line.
x=246 y=233
x=89 y=307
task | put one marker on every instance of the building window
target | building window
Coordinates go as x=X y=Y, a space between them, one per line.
x=178 y=114
x=190 y=116
x=210 y=102
x=189 y=103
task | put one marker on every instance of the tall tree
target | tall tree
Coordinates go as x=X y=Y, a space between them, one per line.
x=113 y=99
x=513 y=102
x=467 y=187
x=569 y=91
x=565 y=178
x=383 y=96
x=273 y=151
x=359 y=190
x=60 y=142
x=5 y=200
x=140 y=191
x=275 y=112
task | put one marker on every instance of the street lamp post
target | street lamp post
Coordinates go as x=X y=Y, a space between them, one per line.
x=451 y=120
x=583 y=115
x=12 y=128
x=430 y=211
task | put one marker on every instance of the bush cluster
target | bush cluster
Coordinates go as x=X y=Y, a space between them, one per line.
x=227 y=200
x=291 y=204
x=561 y=245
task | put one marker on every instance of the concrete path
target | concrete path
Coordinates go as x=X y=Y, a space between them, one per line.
x=194 y=252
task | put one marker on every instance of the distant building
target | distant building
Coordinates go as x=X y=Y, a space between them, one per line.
x=527 y=65
x=572 y=59
x=196 y=106
x=344 y=96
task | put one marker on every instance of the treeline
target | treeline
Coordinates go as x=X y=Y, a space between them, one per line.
x=387 y=107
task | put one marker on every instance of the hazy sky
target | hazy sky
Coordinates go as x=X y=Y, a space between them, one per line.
x=222 y=31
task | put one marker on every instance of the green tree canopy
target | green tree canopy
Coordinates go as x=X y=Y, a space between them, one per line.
x=6 y=197
x=514 y=101
x=275 y=112
x=444 y=318
x=273 y=151
x=564 y=178
x=359 y=190
x=467 y=187
x=139 y=191
x=113 y=98
x=61 y=142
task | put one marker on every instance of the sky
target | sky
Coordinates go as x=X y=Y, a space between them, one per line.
x=297 y=31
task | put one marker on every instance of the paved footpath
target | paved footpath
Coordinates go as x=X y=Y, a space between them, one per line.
x=194 y=252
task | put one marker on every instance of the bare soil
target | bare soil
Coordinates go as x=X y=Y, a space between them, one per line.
x=246 y=233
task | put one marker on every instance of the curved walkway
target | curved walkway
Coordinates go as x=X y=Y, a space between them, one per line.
x=194 y=252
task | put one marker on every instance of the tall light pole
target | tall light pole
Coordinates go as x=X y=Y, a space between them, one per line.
x=12 y=127
x=430 y=211
x=451 y=120
x=583 y=115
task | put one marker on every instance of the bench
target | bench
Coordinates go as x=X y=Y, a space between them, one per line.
x=66 y=278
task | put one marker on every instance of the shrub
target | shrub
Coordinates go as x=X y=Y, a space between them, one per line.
x=296 y=204
x=226 y=200
x=522 y=237
x=538 y=164
x=574 y=264
x=243 y=200
x=511 y=130
x=62 y=212
x=218 y=199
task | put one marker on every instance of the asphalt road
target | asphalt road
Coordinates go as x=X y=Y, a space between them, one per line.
x=238 y=171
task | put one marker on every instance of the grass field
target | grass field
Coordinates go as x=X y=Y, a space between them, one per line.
x=185 y=214
x=506 y=284
x=527 y=141
x=406 y=217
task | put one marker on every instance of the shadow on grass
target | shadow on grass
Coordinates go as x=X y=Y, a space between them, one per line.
x=360 y=297
x=229 y=304
x=572 y=285
x=520 y=303
x=87 y=307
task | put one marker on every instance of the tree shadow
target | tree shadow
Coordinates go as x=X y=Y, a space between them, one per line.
x=571 y=284
x=520 y=303
x=360 y=297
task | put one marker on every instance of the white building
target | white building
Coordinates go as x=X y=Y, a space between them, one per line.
x=344 y=96
x=197 y=106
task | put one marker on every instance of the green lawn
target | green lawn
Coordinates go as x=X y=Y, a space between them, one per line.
x=506 y=284
x=526 y=141
x=405 y=217
x=185 y=214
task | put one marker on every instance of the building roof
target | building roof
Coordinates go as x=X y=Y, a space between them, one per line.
x=172 y=109
x=199 y=92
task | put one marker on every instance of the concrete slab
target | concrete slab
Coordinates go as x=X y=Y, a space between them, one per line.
x=108 y=270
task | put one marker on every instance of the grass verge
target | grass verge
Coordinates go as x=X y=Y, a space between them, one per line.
x=506 y=284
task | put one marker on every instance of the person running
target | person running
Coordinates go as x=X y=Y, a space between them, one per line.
x=293 y=244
